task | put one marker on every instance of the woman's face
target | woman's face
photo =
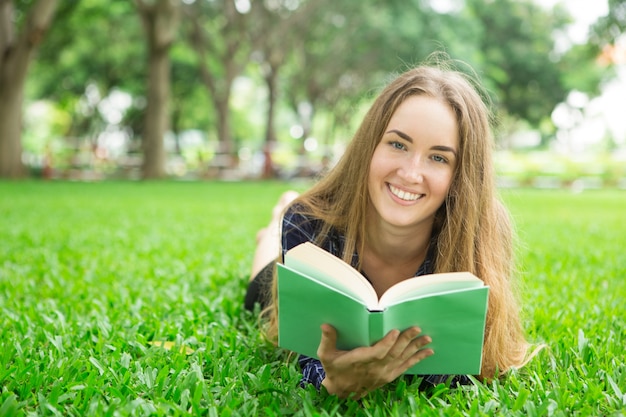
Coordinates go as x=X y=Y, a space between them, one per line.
x=413 y=164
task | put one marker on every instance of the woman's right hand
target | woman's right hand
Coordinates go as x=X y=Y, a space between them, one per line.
x=359 y=371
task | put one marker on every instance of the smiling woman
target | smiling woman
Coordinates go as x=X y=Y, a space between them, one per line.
x=413 y=194
x=412 y=167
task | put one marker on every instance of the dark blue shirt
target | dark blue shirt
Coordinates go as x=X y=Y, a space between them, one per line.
x=298 y=228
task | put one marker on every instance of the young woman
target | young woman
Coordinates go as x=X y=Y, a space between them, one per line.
x=413 y=194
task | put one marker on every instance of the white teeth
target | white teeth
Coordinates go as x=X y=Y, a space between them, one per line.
x=403 y=195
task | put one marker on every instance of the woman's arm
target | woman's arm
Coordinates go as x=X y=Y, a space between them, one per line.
x=296 y=228
x=312 y=372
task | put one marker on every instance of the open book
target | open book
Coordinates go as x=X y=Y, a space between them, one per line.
x=316 y=287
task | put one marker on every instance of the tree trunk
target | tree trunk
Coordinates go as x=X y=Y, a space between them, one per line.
x=156 y=117
x=219 y=65
x=220 y=95
x=270 y=129
x=224 y=135
x=15 y=54
x=11 y=99
x=161 y=21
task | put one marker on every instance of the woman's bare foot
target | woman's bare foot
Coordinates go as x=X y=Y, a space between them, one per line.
x=268 y=238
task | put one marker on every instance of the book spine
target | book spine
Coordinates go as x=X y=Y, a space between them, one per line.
x=376 y=326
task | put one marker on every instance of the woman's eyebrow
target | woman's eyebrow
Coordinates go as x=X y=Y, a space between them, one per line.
x=443 y=148
x=402 y=135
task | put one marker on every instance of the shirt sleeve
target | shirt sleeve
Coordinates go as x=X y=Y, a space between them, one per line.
x=297 y=228
x=312 y=372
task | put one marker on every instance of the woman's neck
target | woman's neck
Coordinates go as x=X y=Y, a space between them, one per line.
x=392 y=255
x=397 y=250
x=397 y=243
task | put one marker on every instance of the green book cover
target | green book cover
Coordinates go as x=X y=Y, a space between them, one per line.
x=315 y=287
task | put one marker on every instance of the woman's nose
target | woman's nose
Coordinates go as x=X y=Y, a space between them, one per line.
x=413 y=170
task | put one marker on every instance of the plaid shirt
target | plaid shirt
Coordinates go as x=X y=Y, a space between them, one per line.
x=298 y=228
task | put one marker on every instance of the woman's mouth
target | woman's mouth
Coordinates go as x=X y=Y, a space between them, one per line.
x=404 y=195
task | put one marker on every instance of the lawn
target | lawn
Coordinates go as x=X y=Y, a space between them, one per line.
x=92 y=275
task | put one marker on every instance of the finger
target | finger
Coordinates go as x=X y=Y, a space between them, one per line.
x=382 y=348
x=328 y=343
x=418 y=356
x=404 y=342
x=415 y=345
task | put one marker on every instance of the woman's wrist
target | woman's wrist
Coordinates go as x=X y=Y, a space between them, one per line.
x=332 y=389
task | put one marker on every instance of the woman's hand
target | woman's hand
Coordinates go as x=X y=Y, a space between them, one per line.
x=364 y=369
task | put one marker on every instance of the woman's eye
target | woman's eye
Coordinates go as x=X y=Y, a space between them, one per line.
x=397 y=145
x=439 y=158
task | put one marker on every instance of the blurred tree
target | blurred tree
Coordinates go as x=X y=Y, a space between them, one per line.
x=346 y=51
x=219 y=33
x=581 y=69
x=191 y=107
x=23 y=25
x=94 y=49
x=275 y=26
x=160 y=20
x=518 y=58
x=318 y=59
x=69 y=72
x=109 y=52
x=335 y=52
x=608 y=29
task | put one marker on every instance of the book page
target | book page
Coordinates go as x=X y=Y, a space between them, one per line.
x=425 y=285
x=325 y=267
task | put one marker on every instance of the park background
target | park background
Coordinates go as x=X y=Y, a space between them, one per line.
x=186 y=89
x=134 y=144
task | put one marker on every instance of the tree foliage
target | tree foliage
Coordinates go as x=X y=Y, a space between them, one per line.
x=312 y=59
x=518 y=57
x=610 y=28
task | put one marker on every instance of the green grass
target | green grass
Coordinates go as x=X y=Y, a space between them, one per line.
x=91 y=273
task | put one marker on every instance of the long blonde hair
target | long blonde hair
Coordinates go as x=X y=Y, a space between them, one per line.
x=472 y=228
